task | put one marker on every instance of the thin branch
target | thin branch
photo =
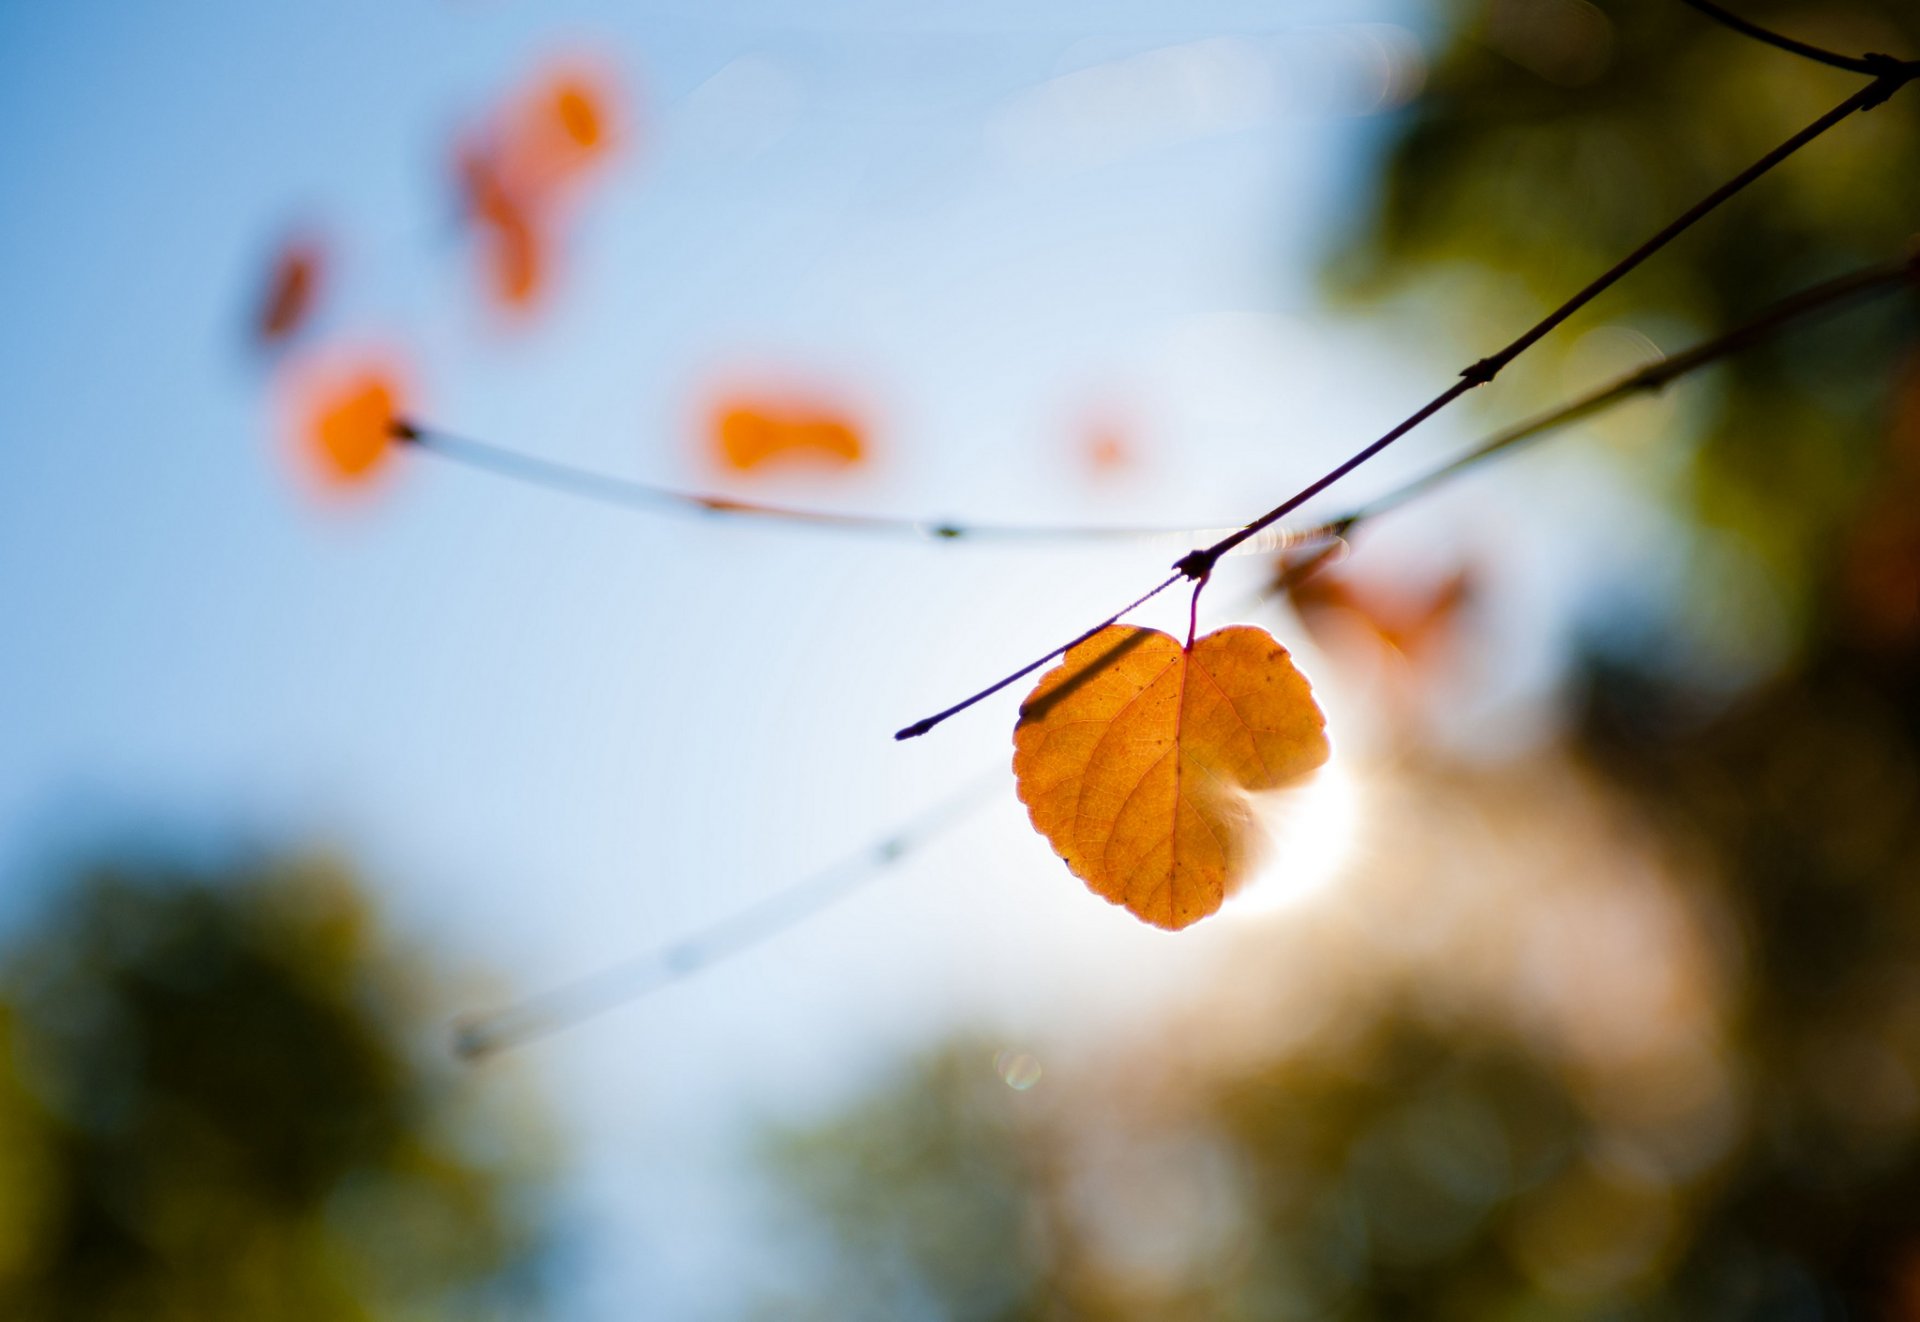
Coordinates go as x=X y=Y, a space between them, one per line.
x=1654 y=377
x=926 y=723
x=626 y=493
x=584 y=998
x=570 y=1004
x=1487 y=369
x=1197 y=564
x=1873 y=66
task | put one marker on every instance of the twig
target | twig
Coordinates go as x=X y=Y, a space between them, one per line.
x=1197 y=564
x=571 y=1003
x=625 y=493
x=1828 y=296
x=926 y=723
x=1871 y=65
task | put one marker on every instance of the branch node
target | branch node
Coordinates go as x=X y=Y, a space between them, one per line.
x=1881 y=65
x=1482 y=372
x=1890 y=75
x=403 y=430
x=1196 y=565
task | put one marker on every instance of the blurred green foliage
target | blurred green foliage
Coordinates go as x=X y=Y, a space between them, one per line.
x=219 y=1100
x=1556 y=135
x=1434 y=1167
x=1410 y=1174
x=928 y=1190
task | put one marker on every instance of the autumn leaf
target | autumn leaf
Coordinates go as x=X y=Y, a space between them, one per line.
x=560 y=128
x=576 y=108
x=343 y=416
x=748 y=434
x=515 y=257
x=518 y=172
x=289 y=296
x=1412 y=626
x=1135 y=757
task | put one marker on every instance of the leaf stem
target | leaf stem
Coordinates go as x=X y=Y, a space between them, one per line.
x=1193 y=610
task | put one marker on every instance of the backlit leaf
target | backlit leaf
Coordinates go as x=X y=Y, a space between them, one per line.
x=1135 y=757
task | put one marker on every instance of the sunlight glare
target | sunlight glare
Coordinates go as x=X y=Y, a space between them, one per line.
x=1313 y=831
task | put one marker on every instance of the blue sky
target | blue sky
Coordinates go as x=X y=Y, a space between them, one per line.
x=553 y=733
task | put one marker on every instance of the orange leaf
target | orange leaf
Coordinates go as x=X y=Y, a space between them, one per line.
x=1135 y=757
x=345 y=414
x=575 y=105
x=515 y=252
x=551 y=136
x=1411 y=626
x=747 y=435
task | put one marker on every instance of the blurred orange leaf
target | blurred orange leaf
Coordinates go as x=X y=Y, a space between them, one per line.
x=576 y=107
x=482 y=191
x=1135 y=757
x=513 y=247
x=345 y=420
x=515 y=253
x=516 y=173
x=747 y=434
x=293 y=283
x=1411 y=625
x=1107 y=451
x=556 y=131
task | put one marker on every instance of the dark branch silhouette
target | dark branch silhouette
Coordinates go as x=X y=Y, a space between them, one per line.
x=1871 y=65
x=1196 y=565
x=1651 y=379
x=926 y=723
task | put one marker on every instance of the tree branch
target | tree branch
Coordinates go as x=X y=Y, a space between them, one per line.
x=584 y=998
x=1197 y=564
x=926 y=723
x=1872 y=65
x=1880 y=279
x=626 y=493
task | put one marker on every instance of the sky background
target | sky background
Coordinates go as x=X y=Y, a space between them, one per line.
x=554 y=734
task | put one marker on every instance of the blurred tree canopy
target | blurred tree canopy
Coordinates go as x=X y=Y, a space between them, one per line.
x=1805 y=791
x=218 y=1100
x=1556 y=135
x=1452 y=1169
